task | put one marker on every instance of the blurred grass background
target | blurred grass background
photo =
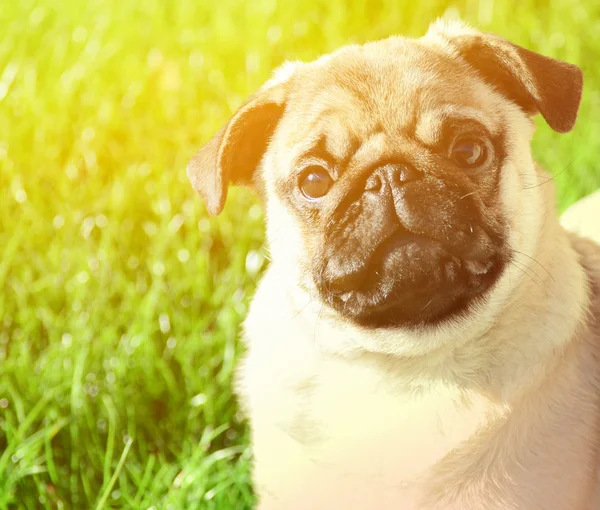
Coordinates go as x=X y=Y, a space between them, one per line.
x=120 y=302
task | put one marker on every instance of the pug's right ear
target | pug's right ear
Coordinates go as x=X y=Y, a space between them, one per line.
x=233 y=155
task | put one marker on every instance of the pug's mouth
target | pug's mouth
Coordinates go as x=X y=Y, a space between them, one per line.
x=412 y=280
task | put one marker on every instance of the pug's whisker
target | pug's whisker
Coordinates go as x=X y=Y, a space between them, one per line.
x=469 y=194
x=551 y=178
x=428 y=303
x=527 y=274
x=537 y=262
x=301 y=309
x=275 y=236
x=526 y=266
x=539 y=184
x=540 y=284
x=319 y=315
x=274 y=239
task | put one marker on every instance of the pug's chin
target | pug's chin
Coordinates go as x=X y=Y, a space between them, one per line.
x=400 y=313
x=416 y=284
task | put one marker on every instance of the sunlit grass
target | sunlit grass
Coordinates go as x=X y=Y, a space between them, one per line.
x=120 y=301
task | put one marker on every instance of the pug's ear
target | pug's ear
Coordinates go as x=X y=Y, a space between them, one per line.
x=233 y=155
x=536 y=83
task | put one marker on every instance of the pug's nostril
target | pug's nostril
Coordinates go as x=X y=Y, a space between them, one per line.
x=406 y=174
x=393 y=175
x=373 y=183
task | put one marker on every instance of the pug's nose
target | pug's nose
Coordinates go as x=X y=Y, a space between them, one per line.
x=392 y=176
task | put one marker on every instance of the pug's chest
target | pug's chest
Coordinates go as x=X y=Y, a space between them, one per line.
x=360 y=423
x=348 y=433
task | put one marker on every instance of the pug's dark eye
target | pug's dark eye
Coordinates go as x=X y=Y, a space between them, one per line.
x=468 y=152
x=315 y=182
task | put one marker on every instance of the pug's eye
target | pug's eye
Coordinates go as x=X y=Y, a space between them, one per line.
x=315 y=182
x=468 y=152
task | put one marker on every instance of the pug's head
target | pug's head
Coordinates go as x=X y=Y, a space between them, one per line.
x=397 y=175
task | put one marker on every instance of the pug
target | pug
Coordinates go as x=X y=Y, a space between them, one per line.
x=427 y=335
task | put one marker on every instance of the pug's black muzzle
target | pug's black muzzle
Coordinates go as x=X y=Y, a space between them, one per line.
x=408 y=250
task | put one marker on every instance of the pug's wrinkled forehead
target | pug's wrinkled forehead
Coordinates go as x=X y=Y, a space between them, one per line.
x=397 y=86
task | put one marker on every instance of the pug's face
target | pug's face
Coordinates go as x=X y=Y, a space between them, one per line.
x=397 y=176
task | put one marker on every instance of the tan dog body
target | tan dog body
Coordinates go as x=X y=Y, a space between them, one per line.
x=494 y=408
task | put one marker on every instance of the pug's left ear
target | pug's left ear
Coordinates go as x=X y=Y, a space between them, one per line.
x=536 y=83
x=233 y=155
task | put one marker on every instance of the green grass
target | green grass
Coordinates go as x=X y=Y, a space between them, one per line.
x=120 y=302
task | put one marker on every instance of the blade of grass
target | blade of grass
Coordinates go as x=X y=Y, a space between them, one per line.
x=111 y=483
